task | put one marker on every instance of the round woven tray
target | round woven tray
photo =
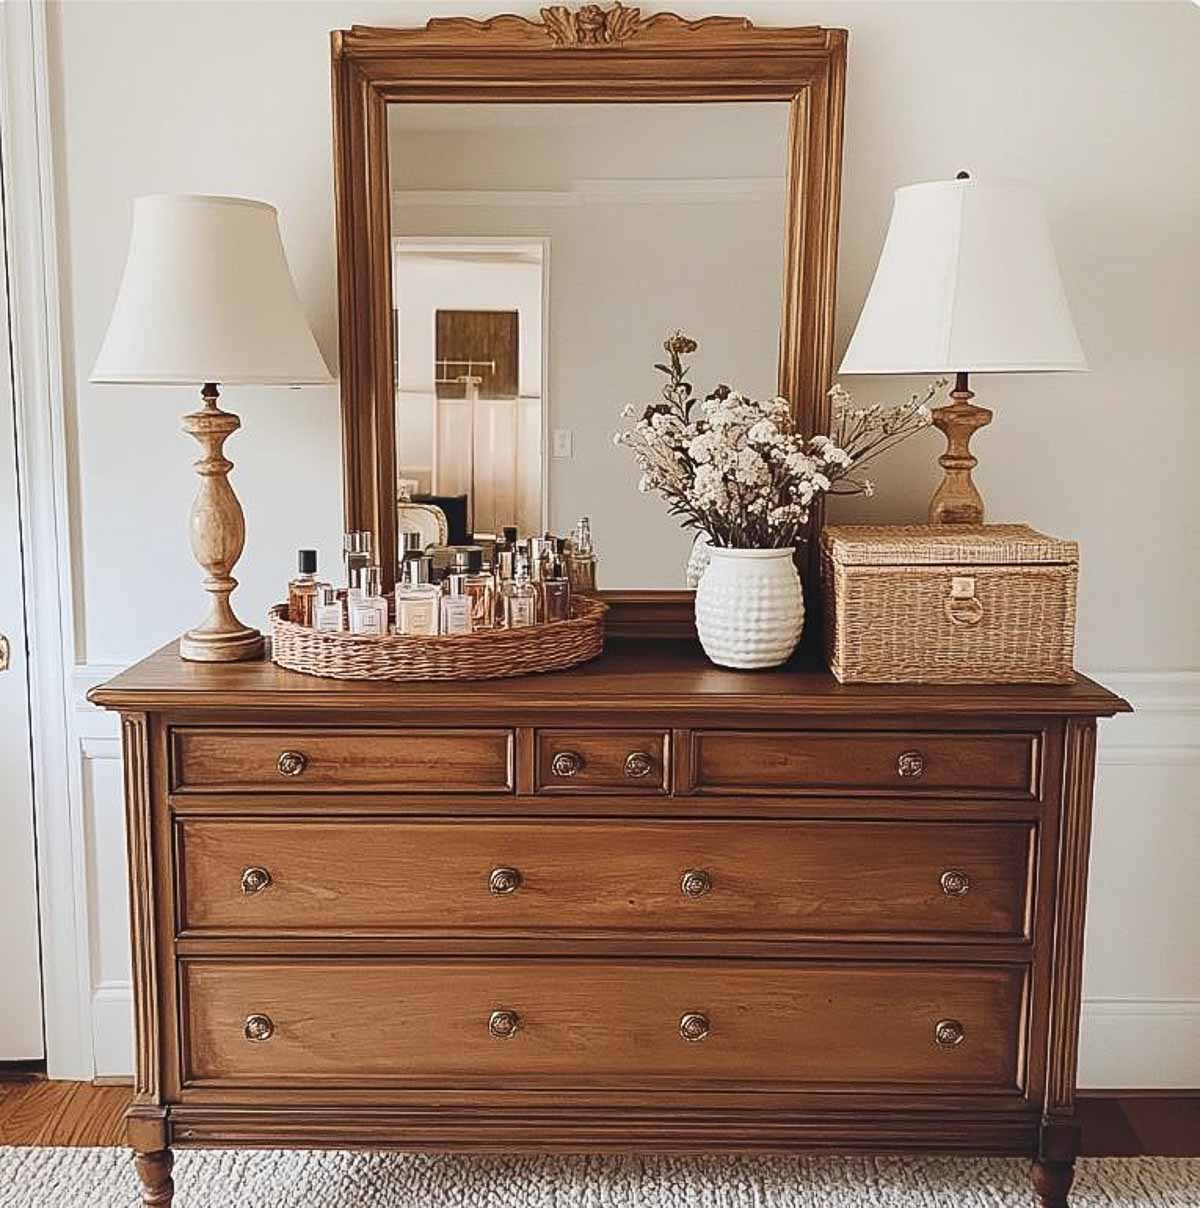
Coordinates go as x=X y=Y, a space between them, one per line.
x=494 y=654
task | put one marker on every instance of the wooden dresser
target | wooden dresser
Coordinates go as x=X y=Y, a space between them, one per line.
x=643 y=905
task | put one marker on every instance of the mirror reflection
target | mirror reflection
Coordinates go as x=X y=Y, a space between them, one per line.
x=541 y=253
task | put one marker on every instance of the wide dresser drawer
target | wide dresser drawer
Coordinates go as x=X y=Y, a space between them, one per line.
x=878 y=763
x=591 y=1023
x=358 y=760
x=923 y=880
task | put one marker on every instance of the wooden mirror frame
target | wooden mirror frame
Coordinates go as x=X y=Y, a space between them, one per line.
x=589 y=54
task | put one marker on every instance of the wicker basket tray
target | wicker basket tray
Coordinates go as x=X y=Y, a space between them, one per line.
x=496 y=654
x=948 y=604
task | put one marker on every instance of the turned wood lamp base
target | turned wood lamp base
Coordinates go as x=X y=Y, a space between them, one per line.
x=957 y=501
x=218 y=530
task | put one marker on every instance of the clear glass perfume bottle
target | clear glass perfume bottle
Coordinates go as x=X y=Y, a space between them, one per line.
x=581 y=558
x=480 y=586
x=505 y=571
x=520 y=604
x=368 y=609
x=302 y=590
x=555 y=591
x=456 y=606
x=418 y=601
x=329 y=612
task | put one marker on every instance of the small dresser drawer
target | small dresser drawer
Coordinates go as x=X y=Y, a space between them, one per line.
x=918 y=880
x=619 y=1024
x=878 y=763
x=603 y=761
x=366 y=760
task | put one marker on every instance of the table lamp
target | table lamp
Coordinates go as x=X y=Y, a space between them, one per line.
x=207 y=299
x=967 y=283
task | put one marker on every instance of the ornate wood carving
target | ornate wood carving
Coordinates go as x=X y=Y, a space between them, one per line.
x=138 y=812
x=1067 y=971
x=612 y=54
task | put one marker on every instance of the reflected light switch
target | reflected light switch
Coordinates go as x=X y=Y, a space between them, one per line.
x=564 y=442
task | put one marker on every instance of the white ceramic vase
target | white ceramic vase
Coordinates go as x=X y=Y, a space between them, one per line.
x=750 y=607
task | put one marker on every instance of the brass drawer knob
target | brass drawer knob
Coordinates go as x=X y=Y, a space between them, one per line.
x=258 y=1028
x=504 y=1024
x=955 y=883
x=949 y=1033
x=292 y=763
x=910 y=764
x=255 y=880
x=695 y=883
x=693 y=1026
x=638 y=765
x=566 y=763
x=504 y=880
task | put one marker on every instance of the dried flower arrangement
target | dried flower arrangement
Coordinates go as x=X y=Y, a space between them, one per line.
x=737 y=469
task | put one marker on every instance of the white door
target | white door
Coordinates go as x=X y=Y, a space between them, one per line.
x=20 y=970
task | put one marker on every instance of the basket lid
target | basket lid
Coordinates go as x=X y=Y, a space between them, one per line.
x=944 y=544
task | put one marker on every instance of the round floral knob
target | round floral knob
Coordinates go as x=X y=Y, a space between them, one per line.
x=695 y=883
x=255 y=880
x=504 y=880
x=258 y=1028
x=910 y=764
x=566 y=763
x=693 y=1026
x=504 y=1024
x=292 y=763
x=955 y=884
x=638 y=765
x=949 y=1033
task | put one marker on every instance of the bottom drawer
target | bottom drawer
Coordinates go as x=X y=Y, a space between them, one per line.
x=592 y=1023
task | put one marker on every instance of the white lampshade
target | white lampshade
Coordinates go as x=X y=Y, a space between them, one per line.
x=207 y=297
x=967 y=282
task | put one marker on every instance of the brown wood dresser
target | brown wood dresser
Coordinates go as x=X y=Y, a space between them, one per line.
x=646 y=904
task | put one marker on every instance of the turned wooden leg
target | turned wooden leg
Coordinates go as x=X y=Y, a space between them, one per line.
x=154 y=1169
x=1052 y=1182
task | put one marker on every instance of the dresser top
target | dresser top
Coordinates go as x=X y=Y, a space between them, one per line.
x=661 y=675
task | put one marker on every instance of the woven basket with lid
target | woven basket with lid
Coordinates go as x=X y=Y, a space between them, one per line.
x=948 y=604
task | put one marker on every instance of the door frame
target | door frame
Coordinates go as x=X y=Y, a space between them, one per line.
x=31 y=240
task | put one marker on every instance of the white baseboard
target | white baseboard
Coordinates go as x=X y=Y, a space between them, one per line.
x=1134 y=1044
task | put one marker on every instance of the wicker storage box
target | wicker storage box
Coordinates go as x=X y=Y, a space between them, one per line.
x=952 y=604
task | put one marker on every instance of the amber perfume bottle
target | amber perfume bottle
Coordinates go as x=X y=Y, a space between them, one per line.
x=302 y=590
x=581 y=558
x=555 y=592
x=480 y=586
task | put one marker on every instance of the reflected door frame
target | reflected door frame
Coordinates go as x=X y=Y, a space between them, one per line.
x=485 y=242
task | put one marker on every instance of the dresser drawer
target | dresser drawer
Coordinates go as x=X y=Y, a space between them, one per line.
x=620 y=1024
x=366 y=760
x=921 y=880
x=910 y=763
x=603 y=761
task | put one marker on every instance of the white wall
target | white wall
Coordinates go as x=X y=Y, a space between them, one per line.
x=1096 y=102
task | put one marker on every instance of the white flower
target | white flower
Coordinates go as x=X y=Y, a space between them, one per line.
x=868 y=488
x=762 y=432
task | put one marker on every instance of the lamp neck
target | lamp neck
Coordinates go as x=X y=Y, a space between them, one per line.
x=960 y=386
x=209 y=393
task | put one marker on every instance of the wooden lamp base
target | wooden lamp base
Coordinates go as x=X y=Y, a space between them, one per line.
x=957 y=501
x=218 y=530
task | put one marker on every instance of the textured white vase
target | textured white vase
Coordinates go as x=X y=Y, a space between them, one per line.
x=749 y=607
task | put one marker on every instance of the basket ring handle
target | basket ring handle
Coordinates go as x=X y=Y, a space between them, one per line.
x=962 y=605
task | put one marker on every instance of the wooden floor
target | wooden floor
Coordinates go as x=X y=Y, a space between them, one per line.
x=36 y=1112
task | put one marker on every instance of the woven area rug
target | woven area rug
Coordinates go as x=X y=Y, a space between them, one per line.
x=103 y=1178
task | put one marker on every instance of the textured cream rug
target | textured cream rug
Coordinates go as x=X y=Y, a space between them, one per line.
x=103 y=1178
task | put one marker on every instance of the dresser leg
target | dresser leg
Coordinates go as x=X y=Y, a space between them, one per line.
x=1052 y=1182
x=154 y=1169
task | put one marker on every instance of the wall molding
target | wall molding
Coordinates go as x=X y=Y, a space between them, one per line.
x=1132 y=1043
x=32 y=249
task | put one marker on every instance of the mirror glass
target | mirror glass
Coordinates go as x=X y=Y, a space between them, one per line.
x=541 y=253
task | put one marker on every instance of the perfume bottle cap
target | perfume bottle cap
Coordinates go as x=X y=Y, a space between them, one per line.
x=370 y=581
x=522 y=568
x=327 y=596
x=416 y=570
x=462 y=561
x=307 y=561
x=581 y=539
x=458 y=584
x=357 y=542
x=510 y=534
x=410 y=543
x=506 y=563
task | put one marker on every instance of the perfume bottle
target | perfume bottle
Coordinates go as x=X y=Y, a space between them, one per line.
x=410 y=545
x=555 y=591
x=356 y=551
x=456 y=606
x=302 y=590
x=520 y=604
x=505 y=570
x=480 y=586
x=508 y=537
x=487 y=542
x=581 y=558
x=418 y=601
x=329 y=612
x=368 y=610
